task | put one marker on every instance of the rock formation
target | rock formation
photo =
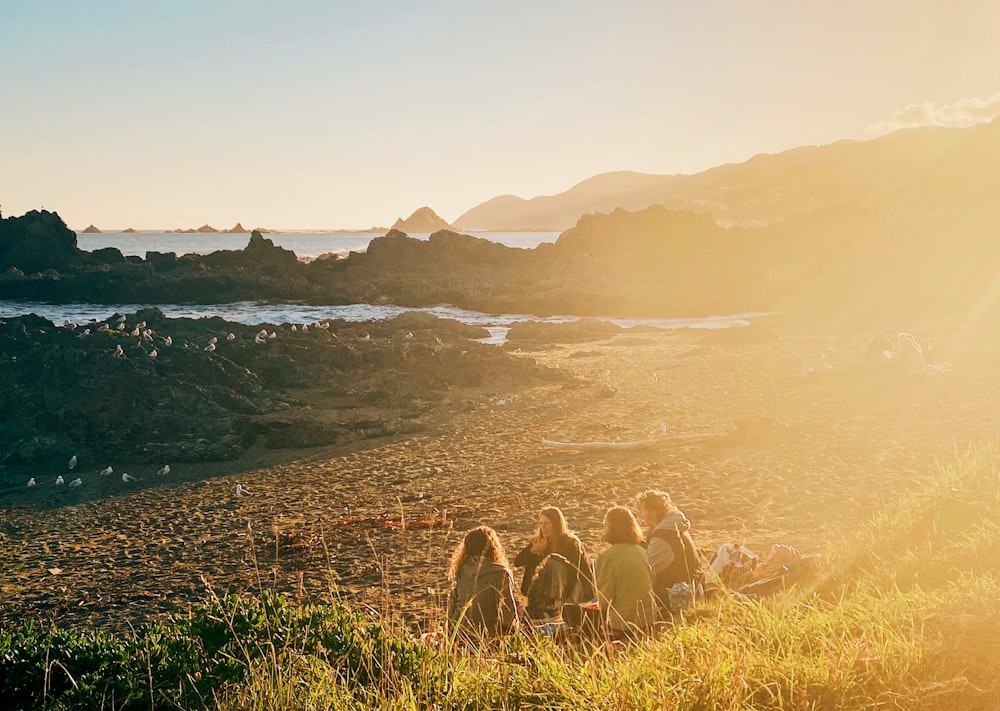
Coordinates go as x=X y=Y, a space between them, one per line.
x=422 y=220
x=236 y=229
x=91 y=230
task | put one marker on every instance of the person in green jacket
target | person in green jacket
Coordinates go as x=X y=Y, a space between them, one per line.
x=623 y=577
x=481 y=603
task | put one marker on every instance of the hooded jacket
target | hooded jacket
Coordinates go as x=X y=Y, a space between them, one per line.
x=672 y=553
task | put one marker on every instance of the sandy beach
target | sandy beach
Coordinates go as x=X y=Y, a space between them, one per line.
x=768 y=439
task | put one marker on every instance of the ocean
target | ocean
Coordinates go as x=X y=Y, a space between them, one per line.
x=309 y=245
x=306 y=245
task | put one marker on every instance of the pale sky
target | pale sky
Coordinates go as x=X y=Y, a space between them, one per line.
x=326 y=114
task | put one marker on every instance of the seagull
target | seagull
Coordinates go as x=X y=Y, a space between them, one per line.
x=231 y=337
x=294 y=328
x=121 y=319
x=659 y=431
x=102 y=327
x=262 y=333
x=31 y=482
x=210 y=347
x=153 y=353
x=325 y=325
x=367 y=337
x=59 y=480
x=258 y=339
x=119 y=353
x=164 y=470
x=75 y=483
x=168 y=341
x=72 y=461
x=126 y=477
x=240 y=491
x=272 y=334
x=142 y=324
x=213 y=340
x=409 y=334
x=305 y=327
x=86 y=332
x=106 y=471
x=135 y=332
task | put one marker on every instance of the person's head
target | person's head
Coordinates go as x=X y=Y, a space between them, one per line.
x=552 y=523
x=652 y=506
x=481 y=542
x=620 y=526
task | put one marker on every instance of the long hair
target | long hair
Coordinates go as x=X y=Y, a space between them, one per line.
x=620 y=526
x=555 y=515
x=481 y=542
x=657 y=502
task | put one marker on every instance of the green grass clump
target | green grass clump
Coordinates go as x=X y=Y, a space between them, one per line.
x=906 y=615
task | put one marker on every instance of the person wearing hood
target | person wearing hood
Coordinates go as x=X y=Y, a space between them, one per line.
x=672 y=553
x=481 y=603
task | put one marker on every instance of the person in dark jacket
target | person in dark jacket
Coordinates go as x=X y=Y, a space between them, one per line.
x=556 y=567
x=672 y=553
x=481 y=603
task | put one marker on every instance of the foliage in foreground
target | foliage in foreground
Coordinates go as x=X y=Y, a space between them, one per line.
x=907 y=616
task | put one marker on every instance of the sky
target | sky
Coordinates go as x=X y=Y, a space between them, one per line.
x=323 y=114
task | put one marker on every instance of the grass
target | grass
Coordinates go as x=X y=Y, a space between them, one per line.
x=906 y=615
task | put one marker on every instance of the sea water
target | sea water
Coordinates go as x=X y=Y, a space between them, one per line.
x=306 y=245
x=254 y=313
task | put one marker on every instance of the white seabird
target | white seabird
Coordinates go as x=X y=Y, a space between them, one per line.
x=106 y=471
x=103 y=327
x=231 y=337
x=72 y=461
x=294 y=328
x=126 y=477
x=210 y=348
x=213 y=340
x=59 y=480
x=135 y=332
x=164 y=470
x=119 y=353
x=31 y=482
x=168 y=341
x=272 y=334
x=153 y=353
x=75 y=483
x=240 y=491
x=258 y=339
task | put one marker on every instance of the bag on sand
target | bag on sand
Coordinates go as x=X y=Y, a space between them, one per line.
x=733 y=565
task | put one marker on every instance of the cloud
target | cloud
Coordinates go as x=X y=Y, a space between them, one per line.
x=964 y=112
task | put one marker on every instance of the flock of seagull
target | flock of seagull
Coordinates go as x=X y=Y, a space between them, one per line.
x=107 y=471
x=241 y=491
x=146 y=335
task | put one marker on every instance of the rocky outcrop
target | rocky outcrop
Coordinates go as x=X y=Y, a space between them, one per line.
x=207 y=229
x=236 y=229
x=91 y=230
x=422 y=220
x=129 y=231
x=37 y=241
x=105 y=395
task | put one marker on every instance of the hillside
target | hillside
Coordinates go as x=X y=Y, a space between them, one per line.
x=769 y=187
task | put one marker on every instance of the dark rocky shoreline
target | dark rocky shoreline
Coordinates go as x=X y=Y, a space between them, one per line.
x=105 y=393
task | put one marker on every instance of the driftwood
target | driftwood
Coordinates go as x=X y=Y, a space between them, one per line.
x=635 y=444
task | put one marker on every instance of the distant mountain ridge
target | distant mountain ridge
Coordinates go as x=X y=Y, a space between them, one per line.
x=765 y=189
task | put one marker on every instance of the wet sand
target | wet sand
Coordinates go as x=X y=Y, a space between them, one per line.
x=786 y=440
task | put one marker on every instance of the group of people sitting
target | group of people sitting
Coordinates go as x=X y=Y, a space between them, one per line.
x=630 y=582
